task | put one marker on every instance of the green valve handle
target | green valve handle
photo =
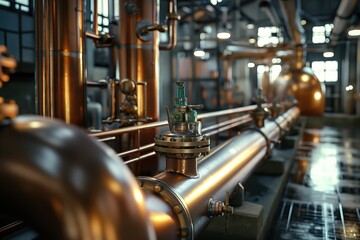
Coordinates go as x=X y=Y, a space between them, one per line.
x=181 y=99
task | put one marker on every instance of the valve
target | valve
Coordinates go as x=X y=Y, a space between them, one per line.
x=219 y=208
x=259 y=114
x=184 y=142
x=275 y=110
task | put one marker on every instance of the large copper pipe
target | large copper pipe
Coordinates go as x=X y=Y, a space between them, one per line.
x=342 y=19
x=67 y=185
x=139 y=60
x=298 y=80
x=226 y=166
x=60 y=60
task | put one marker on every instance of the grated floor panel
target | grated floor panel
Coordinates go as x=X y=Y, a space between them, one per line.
x=322 y=197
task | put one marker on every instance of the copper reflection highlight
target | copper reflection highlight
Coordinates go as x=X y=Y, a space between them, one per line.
x=305 y=86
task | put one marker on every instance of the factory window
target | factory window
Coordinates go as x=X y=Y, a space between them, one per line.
x=320 y=34
x=268 y=36
x=18 y=5
x=273 y=72
x=103 y=16
x=326 y=71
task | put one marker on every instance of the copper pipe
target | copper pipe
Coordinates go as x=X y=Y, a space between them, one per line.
x=292 y=20
x=173 y=22
x=164 y=123
x=239 y=156
x=95 y=18
x=68 y=185
x=113 y=105
x=224 y=123
x=60 y=60
x=141 y=148
x=150 y=154
x=342 y=19
x=230 y=126
x=95 y=31
x=92 y=35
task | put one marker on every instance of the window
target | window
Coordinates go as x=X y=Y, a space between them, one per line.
x=320 y=34
x=326 y=71
x=273 y=71
x=18 y=5
x=103 y=16
x=269 y=35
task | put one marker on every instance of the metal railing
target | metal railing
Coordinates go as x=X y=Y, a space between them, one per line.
x=215 y=120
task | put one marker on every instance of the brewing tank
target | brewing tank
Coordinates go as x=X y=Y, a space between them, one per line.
x=303 y=84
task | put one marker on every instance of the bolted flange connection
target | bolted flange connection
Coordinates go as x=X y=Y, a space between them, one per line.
x=184 y=143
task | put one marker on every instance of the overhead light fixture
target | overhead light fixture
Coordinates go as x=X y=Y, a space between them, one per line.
x=199 y=53
x=303 y=22
x=252 y=40
x=214 y=2
x=223 y=34
x=251 y=65
x=354 y=32
x=250 y=26
x=328 y=54
x=349 y=88
x=276 y=60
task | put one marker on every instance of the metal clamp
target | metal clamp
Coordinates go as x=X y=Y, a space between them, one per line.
x=268 y=141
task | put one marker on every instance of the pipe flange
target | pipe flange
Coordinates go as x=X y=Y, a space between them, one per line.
x=182 y=146
x=186 y=231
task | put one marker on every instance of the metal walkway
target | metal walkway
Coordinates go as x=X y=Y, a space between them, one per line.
x=322 y=197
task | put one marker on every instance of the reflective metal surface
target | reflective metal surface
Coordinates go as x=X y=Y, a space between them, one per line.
x=162 y=217
x=68 y=185
x=321 y=200
x=60 y=60
x=138 y=60
x=223 y=169
x=305 y=86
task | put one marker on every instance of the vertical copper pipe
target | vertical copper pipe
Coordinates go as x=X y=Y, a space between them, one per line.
x=95 y=19
x=139 y=60
x=173 y=18
x=60 y=72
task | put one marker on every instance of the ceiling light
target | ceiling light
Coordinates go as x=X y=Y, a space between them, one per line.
x=250 y=26
x=252 y=40
x=354 y=32
x=349 y=88
x=303 y=22
x=199 y=53
x=328 y=54
x=276 y=60
x=213 y=2
x=251 y=65
x=224 y=34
